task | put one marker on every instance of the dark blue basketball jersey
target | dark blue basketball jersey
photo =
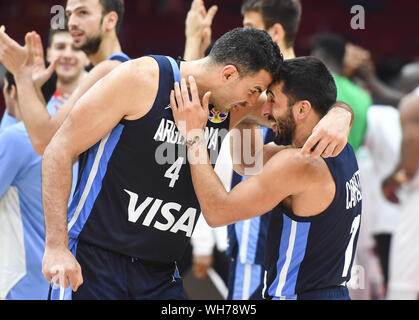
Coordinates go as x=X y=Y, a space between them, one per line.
x=121 y=57
x=135 y=195
x=309 y=253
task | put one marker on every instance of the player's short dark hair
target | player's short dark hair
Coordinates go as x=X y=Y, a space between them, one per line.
x=307 y=78
x=249 y=50
x=251 y=5
x=331 y=46
x=285 y=12
x=116 y=6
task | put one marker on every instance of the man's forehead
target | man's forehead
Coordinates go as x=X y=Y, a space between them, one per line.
x=75 y=4
x=275 y=88
x=254 y=19
x=63 y=36
x=259 y=86
x=262 y=78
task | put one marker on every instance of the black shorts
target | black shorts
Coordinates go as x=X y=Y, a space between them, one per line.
x=111 y=276
x=333 y=293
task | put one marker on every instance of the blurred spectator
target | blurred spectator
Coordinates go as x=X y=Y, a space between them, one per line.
x=21 y=215
x=409 y=77
x=11 y=113
x=377 y=158
x=358 y=62
x=331 y=48
x=380 y=157
x=404 y=255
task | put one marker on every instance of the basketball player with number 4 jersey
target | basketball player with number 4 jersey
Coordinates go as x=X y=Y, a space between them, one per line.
x=134 y=209
x=315 y=202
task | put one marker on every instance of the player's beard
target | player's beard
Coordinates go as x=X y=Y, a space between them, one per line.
x=92 y=45
x=286 y=129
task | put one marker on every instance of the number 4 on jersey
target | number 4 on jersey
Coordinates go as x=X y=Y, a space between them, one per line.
x=173 y=172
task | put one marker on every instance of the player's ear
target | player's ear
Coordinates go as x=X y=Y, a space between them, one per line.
x=302 y=109
x=277 y=33
x=13 y=93
x=110 y=21
x=229 y=73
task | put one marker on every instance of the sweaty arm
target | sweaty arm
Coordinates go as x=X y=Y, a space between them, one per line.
x=40 y=125
x=127 y=92
x=330 y=135
x=253 y=196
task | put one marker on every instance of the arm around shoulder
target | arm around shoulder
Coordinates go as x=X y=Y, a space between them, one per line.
x=255 y=195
